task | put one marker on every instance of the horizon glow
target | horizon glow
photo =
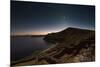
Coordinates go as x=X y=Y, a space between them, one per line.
x=36 y=18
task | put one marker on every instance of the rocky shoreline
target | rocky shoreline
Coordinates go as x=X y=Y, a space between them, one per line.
x=72 y=45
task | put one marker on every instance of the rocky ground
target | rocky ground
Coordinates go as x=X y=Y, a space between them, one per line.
x=71 y=45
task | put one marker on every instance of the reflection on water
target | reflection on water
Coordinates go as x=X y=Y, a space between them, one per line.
x=24 y=46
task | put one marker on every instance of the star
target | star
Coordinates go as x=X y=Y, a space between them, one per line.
x=64 y=17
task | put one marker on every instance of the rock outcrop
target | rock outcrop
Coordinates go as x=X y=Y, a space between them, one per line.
x=71 y=45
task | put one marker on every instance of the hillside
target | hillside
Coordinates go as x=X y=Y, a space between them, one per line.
x=71 y=45
x=69 y=35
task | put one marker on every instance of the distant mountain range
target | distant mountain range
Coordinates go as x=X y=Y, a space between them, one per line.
x=71 y=45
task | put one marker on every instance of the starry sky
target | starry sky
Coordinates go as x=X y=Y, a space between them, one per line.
x=36 y=18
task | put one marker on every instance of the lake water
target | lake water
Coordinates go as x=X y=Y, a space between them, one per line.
x=25 y=46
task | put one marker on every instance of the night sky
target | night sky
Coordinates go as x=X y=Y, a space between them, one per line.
x=34 y=18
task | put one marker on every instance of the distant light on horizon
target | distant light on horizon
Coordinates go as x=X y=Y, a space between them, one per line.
x=45 y=32
x=43 y=18
x=33 y=33
x=30 y=33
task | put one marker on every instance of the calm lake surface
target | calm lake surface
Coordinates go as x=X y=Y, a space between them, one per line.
x=25 y=46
